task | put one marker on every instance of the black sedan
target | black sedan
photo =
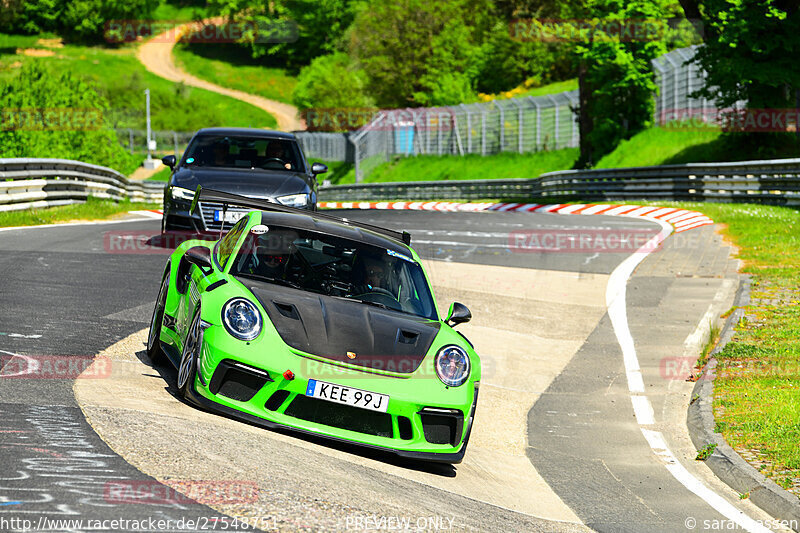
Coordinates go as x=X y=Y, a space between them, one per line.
x=255 y=163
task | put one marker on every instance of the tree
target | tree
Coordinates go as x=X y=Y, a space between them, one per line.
x=82 y=20
x=416 y=52
x=56 y=115
x=750 y=51
x=615 y=78
x=310 y=28
x=331 y=81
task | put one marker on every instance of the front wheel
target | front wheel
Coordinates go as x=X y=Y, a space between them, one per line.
x=187 y=370
x=154 y=351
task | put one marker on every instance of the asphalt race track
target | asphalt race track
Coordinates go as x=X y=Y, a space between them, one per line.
x=558 y=443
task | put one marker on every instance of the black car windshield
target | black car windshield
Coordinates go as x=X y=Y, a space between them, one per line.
x=243 y=152
x=337 y=267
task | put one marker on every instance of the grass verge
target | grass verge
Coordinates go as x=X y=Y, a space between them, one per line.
x=92 y=209
x=118 y=75
x=225 y=65
x=451 y=167
x=757 y=387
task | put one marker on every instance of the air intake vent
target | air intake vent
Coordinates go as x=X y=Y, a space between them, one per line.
x=442 y=426
x=237 y=381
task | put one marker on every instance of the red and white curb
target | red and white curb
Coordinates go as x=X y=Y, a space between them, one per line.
x=679 y=219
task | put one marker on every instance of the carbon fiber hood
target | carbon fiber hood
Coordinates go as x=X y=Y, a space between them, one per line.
x=331 y=327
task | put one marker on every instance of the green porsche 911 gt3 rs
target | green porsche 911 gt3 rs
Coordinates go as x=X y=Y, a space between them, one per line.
x=327 y=326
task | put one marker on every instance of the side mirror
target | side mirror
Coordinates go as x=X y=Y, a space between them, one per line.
x=319 y=168
x=200 y=256
x=458 y=314
x=170 y=161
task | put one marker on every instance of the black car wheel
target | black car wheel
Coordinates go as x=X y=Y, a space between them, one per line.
x=187 y=370
x=154 y=352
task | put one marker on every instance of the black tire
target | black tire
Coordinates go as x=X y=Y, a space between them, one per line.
x=154 y=351
x=187 y=369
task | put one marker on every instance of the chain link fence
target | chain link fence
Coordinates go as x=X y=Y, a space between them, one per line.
x=529 y=124
x=167 y=142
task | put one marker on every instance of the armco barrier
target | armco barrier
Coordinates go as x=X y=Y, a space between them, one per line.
x=771 y=181
x=36 y=183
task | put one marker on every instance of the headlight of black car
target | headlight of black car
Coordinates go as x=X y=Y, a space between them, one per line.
x=452 y=365
x=242 y=319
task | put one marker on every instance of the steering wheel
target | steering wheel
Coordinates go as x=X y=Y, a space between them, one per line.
x=381 y=296
x=274 y=160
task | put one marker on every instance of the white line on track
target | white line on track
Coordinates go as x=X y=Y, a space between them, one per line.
x=68 y=224
x=617 y=311
x=33 y=365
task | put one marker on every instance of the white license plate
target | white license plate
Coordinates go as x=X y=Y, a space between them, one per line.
x=347 y=395
x=230 y=216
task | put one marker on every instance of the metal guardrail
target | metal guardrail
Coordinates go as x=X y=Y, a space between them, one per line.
x=37 y=183
x=771 y=181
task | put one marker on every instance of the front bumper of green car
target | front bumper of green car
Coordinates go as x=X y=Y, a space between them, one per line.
x=424 y=419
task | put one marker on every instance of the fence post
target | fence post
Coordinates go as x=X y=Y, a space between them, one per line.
x=175 y=142
x=483 y=132
x=519 y=124
x=555 y=110
x=130 y=140
x=502 y=126
x=469 y=127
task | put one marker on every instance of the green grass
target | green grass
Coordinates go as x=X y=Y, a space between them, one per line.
x=225 y=65
x=92 y=209
x=658 y=146
x=665 y=146
x=118 y=75
x=161 y=175
x=525 y=90
x=470 y=167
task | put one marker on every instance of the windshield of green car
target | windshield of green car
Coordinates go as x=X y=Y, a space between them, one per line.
x=254 y=153
x=336 y=267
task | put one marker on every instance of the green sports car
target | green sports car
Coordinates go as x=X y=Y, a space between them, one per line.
x=303 y=320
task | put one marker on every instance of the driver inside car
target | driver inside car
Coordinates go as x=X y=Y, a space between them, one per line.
x=374 y=275
x=276 y=150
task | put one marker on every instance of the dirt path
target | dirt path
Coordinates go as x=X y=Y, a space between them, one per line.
x=156 y=56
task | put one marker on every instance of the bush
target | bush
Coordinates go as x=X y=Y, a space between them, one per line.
x=45 y=114
x=75 y=19
x=331 y=81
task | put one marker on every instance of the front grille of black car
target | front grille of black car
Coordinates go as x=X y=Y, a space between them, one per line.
x=208 y=209
x=236 y=381
x=341 y=416
x=442 y=426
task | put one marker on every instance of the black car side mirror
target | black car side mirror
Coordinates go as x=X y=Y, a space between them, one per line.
x=200 y=256
x=458 y=314
x=169 y=160
x=319 y=168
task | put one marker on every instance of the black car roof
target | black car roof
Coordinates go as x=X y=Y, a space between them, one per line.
x=248 y=132
x=354 y=233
